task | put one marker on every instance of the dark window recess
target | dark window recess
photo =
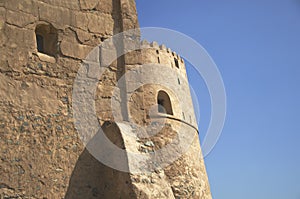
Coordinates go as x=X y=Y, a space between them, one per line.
x=161 y=108
x=178 y=81
x=176 y=62
x=40 y=43
x=46 y=39
x=164 y=103
x=158 y=60
x=183 y=116
x=157 y=52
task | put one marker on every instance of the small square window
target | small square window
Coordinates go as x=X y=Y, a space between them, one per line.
x=46 y=39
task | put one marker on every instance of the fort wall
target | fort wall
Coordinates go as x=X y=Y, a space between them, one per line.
x=43 y=43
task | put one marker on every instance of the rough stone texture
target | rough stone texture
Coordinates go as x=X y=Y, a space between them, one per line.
x=100 y=24
x=41 y=154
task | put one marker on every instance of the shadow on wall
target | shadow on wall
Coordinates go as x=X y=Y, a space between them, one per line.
x=92 y=179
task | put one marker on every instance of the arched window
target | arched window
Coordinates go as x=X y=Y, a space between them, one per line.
x=46 y=39
x=164 y=103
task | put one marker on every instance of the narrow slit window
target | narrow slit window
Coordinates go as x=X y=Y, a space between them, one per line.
x=176 y=62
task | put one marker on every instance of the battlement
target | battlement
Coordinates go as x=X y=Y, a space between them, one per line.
x=160 y=49
x=153 y=53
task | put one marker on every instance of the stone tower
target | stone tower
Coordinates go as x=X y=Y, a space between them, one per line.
x=44 y=43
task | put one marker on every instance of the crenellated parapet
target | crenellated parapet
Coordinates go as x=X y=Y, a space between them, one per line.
x=154 y=53
x=161 y=49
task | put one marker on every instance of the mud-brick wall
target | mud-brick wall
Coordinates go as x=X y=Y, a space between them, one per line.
x=41 y=155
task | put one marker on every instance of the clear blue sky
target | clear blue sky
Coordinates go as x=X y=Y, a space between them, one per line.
x=256 y=46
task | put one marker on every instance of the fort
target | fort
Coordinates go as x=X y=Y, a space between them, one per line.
x=44 y=43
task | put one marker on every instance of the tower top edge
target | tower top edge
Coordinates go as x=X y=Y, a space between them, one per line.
x=145 y=44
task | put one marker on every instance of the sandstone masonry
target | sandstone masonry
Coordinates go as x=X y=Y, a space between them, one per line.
x=43 y=44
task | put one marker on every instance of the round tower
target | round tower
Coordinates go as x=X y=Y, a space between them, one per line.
x=159 y=101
